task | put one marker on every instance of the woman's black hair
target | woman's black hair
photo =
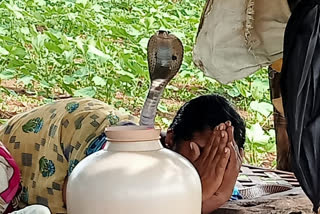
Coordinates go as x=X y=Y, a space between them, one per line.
x=126 y=123
x=205 y=112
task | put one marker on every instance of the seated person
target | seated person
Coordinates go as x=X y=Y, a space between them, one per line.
x=48 y=142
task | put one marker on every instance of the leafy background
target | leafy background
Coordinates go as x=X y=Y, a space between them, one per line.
x=55 y=48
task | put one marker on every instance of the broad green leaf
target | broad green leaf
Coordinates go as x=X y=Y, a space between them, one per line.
x=99 y=81
x=137 y=69
x=81 y=73
x=40 y=2
x=259 y=88
x=3 y=31
x=148 y=21
x=125 y=78
x=8 y=91
x=153 y=10
x=26 y=80
x=38 y=15
x=16 y=10
x=162 y=108
x=134 y=32
x=20 y=52
x=68 y=79
x=263 y=108
x=271 y=147
x=18 y=15
x=67 y=88
x=14 y=63
x=80 y=45
x=260 y=118
x=243 y=90
x=96 y=8
x=25 y=30
x=144 y=43
x=121 y=32
x=45 y=84
x=52 y=36
x=272 y=133
x=180 y=35
x=3 y=51
x=257 y=94
x=83 y=2
x=85 y=92
x=72 y=16
x=92 y=49
x=256 y=134
x=263 y=85
x=31 y=67
x=233 y=92
x=7 y=74
x=200 y=76
x=125 y=73
x=69 y=56
x=38 y=42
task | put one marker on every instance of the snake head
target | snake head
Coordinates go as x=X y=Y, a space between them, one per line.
x=165 y=54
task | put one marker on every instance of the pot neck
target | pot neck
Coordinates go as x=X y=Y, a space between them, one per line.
x=137 y=146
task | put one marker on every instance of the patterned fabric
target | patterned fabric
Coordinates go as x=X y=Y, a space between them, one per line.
x=50 y=141
x=9 y=178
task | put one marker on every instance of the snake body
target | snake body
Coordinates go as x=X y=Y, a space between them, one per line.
x=262 y=190
x=165 y=54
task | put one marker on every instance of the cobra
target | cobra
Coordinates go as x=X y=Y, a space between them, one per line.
x=165 y=55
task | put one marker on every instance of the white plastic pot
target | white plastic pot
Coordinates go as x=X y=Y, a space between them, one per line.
x=134 y=174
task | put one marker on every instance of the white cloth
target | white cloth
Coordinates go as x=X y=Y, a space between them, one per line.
x=237 y=37
x=34 y=209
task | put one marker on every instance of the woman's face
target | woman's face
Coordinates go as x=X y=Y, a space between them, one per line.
x=191 y=149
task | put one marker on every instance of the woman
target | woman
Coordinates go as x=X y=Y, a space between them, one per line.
x=48 y=142
x=217 y=159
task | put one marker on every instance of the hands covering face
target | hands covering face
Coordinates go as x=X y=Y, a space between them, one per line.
x=218 y=166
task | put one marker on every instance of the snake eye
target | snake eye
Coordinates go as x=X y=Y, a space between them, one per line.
x=174 y=57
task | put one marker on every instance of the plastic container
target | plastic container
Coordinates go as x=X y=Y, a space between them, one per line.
x=134 y=174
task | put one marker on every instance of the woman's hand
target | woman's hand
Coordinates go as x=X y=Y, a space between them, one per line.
x=212 y=162
x=230 y=175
